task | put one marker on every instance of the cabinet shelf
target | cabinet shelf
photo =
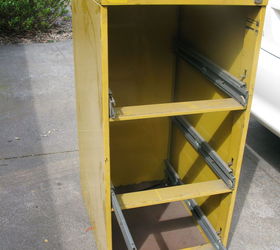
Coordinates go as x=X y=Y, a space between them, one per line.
x=175 y=109
x=171 y=194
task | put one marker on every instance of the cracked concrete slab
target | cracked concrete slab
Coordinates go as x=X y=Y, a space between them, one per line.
x=37 y=99
x=41 y=204
x=40 y=200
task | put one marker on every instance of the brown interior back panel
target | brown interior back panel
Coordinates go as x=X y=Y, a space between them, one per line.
x=160 y=227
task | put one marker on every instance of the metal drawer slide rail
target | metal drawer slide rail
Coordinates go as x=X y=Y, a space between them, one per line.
x=219 y=167
x=196 y=211
x=218 y=76
x=112 y=104
x=122 y=222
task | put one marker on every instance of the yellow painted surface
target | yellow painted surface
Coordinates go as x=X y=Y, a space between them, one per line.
x=130 y=50
x=141 y=71
x=171 y=194
x=91 y=75
x=250 y=55
x=227 y=45
x=180 y=2
x=175 y=109
x=138 y=150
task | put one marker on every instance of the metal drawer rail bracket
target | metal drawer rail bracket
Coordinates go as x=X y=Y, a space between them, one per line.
x=196 y=211
x=122 y=222
x=218 y=76
x=112 y=104
x=219 y=167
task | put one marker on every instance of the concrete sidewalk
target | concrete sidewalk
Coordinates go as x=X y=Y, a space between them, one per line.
x=40 y=201
x=41 y=205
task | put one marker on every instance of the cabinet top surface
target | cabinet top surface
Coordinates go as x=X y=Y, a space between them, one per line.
x=184 y=2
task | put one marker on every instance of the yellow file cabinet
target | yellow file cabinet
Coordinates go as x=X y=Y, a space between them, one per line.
x=164 y=90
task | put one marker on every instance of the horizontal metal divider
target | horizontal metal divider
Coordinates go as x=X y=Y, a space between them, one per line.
x=171 y=194
x=172 y=109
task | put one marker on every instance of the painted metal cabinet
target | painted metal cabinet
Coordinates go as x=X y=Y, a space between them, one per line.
x=163 y=99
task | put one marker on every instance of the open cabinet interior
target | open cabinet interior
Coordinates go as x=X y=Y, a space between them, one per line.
x=144 y=69
x=174 y=89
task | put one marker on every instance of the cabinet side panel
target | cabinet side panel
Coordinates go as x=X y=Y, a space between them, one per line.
x=91 y=75
x=250 y=56
x=234 y=46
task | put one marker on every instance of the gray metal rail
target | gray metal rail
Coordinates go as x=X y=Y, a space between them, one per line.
x=218 y=76
x=122 y=222
x=196 y=211
x=219 y=167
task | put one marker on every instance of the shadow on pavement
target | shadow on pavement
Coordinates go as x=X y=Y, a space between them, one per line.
x=261 y=146
x=264 y=143
x=27 y=213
